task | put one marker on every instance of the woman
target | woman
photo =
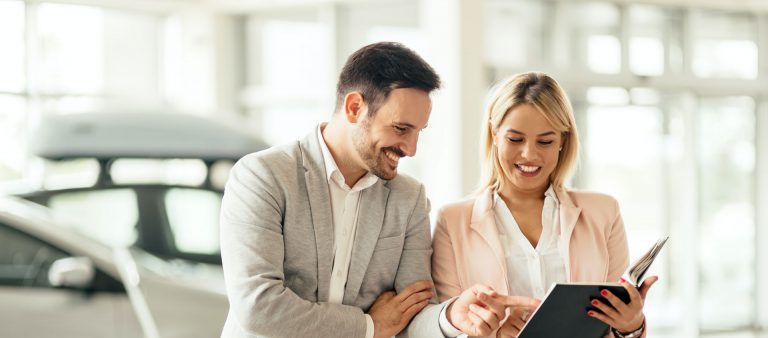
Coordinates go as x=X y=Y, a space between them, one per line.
x=523 y=230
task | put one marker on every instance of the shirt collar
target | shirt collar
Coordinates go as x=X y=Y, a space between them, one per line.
x=332 y=172
x=549 y=194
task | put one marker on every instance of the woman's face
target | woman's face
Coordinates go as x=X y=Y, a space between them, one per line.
x=528 y=149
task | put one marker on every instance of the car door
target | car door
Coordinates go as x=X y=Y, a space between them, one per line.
x=31 y=307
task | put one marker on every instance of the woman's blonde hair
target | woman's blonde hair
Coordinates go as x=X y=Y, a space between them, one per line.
x=545 y=94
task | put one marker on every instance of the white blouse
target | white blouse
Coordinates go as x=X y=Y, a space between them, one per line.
x=531 y=271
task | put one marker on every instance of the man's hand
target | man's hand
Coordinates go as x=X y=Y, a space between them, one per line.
x=392 y=312
x=479 y=310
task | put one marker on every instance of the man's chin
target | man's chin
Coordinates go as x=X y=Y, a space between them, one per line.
x=385 y=174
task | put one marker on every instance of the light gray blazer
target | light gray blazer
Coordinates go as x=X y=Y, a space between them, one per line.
x=277 y=248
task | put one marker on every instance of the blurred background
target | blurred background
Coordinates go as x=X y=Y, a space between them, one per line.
x=670 y=96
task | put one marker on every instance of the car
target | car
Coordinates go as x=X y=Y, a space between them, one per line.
x=56 y=282
x=170 y=220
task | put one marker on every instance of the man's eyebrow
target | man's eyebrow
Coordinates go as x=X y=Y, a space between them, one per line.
x=406 y=124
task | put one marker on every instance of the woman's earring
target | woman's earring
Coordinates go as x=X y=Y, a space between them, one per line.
x=561 y=149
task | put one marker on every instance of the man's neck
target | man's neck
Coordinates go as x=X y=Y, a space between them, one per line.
x=336 y=138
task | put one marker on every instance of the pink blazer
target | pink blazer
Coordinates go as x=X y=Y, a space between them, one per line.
x=467 y=249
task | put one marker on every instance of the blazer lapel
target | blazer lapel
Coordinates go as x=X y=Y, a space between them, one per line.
x=569 y=215
x=320 y=207
x=484 y=223
x=370 y=219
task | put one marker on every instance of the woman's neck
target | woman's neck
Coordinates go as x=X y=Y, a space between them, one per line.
x=515 y=196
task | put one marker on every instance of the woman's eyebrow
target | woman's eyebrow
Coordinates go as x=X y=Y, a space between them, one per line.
x=522 y=133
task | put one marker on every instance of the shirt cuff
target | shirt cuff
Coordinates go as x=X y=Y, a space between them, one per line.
x=368 y=326
x=445 y=326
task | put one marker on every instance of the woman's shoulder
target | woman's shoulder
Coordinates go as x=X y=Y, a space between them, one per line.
x=460 y=207
x=592 y=204
x=591 y=200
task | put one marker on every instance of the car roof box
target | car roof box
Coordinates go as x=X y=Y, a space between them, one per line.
x=140 y=135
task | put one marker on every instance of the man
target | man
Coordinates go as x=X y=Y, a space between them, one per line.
x=323 y=238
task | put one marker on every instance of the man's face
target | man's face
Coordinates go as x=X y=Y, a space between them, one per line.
x=393 y=132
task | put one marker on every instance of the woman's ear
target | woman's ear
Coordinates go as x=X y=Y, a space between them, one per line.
x=491 y=132
x=563 y=140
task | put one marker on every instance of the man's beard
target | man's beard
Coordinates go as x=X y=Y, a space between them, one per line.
x=373 y=158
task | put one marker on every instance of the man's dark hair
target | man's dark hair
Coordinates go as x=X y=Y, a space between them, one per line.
x=376 y=69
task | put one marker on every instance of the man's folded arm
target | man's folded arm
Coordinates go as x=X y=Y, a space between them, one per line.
x=252 y=251
x=415 y=265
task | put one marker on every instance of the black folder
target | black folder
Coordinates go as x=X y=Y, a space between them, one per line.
x=563 y=311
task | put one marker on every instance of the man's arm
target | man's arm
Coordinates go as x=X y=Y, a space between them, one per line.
x=252 y=251
x=415 y=265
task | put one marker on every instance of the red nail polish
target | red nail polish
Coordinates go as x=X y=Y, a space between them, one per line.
x=623 y=280
x=604 y=293
x=591 y=313
x=594 y=302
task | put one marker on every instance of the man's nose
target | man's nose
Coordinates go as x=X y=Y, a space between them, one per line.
x=409 y=148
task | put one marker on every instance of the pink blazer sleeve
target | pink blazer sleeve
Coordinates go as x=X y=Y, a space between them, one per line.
x=618 y=253
x=444 y=267
x=618 y=250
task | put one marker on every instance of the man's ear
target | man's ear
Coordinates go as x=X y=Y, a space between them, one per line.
x=354 y=106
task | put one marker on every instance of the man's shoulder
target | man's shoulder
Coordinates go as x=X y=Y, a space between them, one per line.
x=276 y=156
x=405 y=184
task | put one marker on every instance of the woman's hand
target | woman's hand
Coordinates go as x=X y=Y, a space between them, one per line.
x=623 y=317
x=515 y=322
x=479 y=310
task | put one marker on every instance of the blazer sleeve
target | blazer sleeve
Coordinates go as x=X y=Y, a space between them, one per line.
x=618 y=250
x=618 y=254
x=252 y=251
x=415 y=266
x=444 y=268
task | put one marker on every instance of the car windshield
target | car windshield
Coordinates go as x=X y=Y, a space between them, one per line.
x=184 y=218
x=193 y=216
x=108 y=216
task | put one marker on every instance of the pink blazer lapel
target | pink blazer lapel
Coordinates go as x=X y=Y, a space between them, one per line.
x=569 y=216
x=484 y=223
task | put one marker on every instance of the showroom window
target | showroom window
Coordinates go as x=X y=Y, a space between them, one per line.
x=668 y=112
x=61 y=58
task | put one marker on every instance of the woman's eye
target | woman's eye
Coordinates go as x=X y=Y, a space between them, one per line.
x=546 y=143
x=514 y=140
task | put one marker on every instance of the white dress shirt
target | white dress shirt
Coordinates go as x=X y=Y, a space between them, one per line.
x=345 y=203
x=531 y=271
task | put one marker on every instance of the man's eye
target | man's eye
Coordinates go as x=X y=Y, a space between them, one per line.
x=400 y=129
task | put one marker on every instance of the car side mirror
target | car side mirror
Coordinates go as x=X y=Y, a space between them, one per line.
x=74 y=272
